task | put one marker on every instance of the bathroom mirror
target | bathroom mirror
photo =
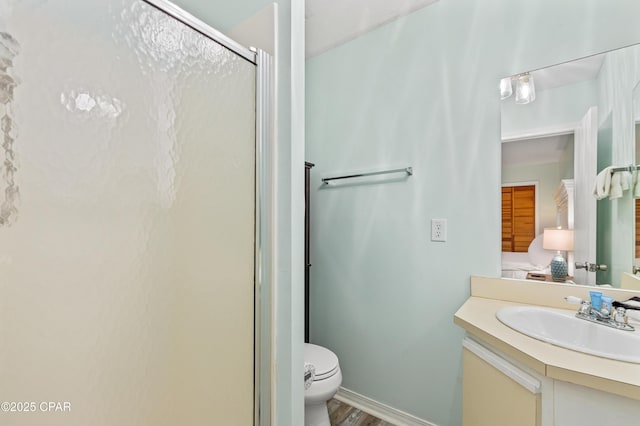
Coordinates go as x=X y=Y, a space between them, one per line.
x=554 y=142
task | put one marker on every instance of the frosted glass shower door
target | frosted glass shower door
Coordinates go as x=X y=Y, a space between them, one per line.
x=127 y=261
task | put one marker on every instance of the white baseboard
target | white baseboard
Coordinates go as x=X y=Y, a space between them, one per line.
x=379 y=410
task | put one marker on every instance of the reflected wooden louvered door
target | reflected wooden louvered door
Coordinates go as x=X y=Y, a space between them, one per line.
x=507 y=219
x=518 y=217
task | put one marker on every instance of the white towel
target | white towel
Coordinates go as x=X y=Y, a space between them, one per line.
x=615 y=191
x=309 y=375
x=603 y=184
x=620 y=182
x=626 y=180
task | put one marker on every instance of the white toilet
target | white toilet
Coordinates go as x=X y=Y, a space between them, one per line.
x=328 y=378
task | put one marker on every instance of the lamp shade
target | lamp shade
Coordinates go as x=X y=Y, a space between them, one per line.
x=558 y=239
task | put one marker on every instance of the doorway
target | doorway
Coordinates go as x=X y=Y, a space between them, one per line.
x=518 y=217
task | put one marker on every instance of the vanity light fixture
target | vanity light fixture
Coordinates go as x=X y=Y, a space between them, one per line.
x=506 y=89
x=560 y=240
x=525 y=88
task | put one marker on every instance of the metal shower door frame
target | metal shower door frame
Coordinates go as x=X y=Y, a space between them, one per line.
x=263 y=204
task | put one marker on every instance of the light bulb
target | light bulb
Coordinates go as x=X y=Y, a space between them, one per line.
x=505 y=88
x=525 y=89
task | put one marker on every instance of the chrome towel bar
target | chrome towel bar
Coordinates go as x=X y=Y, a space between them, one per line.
x=630 y=168
x=407 y=170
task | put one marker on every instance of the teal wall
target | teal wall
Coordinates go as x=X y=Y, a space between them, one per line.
x=603 y=215
x=422 y=91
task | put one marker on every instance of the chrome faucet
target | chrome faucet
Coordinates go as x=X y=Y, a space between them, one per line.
x=604 y=317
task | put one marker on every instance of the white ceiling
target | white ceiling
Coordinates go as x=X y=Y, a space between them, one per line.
x=330 y=23
x=530 y=152
x=568 y=73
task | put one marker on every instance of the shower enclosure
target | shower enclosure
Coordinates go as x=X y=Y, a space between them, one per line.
x=133 y=255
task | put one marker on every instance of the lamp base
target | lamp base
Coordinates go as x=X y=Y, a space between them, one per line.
x=559 y=268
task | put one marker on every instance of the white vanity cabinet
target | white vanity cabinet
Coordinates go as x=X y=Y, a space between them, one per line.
x=495 y=392
x=498 y=391
x=512 y=379
x=579 y=405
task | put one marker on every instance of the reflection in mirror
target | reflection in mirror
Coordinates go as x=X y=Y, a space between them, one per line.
x=636 y=204
x=577 y=124
x=603 y=211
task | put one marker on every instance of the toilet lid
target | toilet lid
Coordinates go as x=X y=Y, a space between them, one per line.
x=324 y=361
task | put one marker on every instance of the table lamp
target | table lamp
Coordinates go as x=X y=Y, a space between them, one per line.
x=560 y=240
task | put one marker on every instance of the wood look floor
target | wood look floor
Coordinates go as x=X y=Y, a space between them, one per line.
x=341 y=414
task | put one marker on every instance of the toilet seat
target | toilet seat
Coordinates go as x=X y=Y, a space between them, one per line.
x=324 y=361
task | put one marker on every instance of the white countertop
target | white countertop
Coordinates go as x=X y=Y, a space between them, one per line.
x=478 y=317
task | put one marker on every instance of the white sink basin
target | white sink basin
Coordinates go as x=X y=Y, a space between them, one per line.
x=562 y=328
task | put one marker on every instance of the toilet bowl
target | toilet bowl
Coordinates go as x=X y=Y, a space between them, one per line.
x=328 y=378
